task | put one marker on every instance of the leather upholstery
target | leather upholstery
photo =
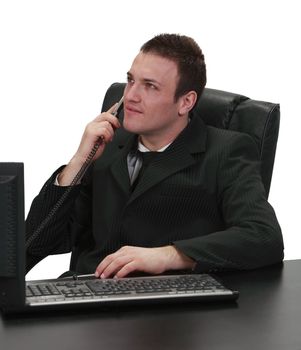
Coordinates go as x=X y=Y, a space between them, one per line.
x=227 y=110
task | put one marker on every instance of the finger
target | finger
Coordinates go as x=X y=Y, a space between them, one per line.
x=106 y=116
x=112 y=109
x=117 y=265
x=115 y=107
x=111 y=265
x=107 y=261
x=106 y=131
x=102 y=266
x=124 y=251
x=126 y=270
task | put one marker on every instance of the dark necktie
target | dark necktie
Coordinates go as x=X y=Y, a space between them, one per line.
x=146 y=158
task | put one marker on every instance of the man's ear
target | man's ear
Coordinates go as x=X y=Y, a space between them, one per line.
x=187 y=102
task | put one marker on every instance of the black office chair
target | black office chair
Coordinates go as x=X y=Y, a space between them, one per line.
x=235 y=112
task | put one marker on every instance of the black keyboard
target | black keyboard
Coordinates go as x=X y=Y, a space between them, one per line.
x=89 y=289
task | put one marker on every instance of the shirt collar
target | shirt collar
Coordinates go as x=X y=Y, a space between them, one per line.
x=142 y=148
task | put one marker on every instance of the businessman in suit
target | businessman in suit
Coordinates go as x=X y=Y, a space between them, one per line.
x=165 y=192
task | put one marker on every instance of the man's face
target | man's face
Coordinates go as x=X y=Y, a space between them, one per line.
x=149 y=106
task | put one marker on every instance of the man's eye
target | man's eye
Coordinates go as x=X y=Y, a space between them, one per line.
x=151 y=86
x=130 y=80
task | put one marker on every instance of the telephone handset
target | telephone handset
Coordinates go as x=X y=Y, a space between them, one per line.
x=75 y=180
x=118 y=107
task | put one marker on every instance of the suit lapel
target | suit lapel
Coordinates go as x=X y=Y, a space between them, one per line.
x=119 y=167
x=178 y=156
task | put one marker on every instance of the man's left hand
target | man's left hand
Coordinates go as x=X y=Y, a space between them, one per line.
x=150 y=260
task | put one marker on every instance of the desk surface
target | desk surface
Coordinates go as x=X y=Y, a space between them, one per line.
x=267 y=315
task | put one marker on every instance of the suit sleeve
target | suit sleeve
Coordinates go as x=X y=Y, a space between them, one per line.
x=252 y=236
x=58 y=236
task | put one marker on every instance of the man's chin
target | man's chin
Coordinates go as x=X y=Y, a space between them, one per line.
x=130 y=127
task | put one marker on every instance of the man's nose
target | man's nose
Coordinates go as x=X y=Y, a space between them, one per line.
x=132 y=92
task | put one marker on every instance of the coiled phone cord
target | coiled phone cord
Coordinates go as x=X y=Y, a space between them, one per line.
x=75 y=181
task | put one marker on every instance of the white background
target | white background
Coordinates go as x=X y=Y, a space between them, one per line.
x=58 y=57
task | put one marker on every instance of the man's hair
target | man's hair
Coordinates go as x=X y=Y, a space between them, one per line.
x=188 y=56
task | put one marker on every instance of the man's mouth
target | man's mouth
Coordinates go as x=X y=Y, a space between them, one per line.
x=132 y=109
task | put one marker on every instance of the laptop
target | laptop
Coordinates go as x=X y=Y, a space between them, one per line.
x=84 y=291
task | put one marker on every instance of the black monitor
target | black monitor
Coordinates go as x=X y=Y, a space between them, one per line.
x=12 y=235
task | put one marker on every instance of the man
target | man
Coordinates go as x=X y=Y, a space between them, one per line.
x=199 y=204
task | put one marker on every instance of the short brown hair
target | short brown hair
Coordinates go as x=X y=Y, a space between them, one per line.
x=188 y=56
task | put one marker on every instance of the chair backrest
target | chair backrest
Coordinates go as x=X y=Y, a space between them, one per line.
x=227 y=110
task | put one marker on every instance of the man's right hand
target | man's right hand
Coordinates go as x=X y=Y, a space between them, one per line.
x=102 y=126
